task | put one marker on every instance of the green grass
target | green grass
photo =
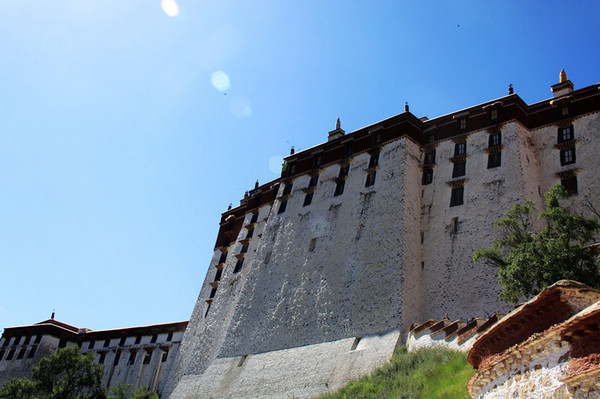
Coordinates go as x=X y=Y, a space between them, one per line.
x=426 y=373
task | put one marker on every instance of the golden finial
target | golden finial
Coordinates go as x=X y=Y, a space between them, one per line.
x=563 y=76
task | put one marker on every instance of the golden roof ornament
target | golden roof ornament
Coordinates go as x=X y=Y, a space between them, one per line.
x=562 y=76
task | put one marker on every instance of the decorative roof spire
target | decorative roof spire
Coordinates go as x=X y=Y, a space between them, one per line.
x=337 y=132
x=563 y=76
x=292 y=150
x=406 y=107
x=52 y=317
x=510 y=89
x=256 y=185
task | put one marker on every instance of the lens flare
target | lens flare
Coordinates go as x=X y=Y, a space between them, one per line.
x=170 y=7
x=220 y=80
x=275 y=164
x=240 y=107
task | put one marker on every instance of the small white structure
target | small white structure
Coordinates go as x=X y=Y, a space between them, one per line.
x=135 y=356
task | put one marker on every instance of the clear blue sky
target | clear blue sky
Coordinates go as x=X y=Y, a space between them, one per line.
x=127 y=127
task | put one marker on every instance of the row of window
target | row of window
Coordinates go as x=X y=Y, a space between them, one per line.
x=123 y=340
x=459 y=160
x=339 y=185
x=27 y=339
x=20 y=354
x=132 y=357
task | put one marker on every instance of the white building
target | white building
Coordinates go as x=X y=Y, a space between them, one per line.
x=317 y=275
x=135 y=356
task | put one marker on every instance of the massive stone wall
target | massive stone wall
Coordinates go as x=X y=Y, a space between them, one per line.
x=380 y=257
x=301 y=372
x=330 y=270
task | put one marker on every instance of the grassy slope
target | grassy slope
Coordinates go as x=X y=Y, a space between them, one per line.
x=427 y=373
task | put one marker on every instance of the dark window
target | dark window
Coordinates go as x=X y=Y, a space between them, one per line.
x=106 y=342
x=227 y=242
x=229 y=226
x=348 y=150
x=164 y=356
x=339 y=188
x=460 y=149
x=456 y=197
x=138 y=339
x=567 y=157
x=565 y=134
x=462 y=124
x=147 y=357
x=131 y=358
x=317 y=160
x=122 y=341
x=11 y=354
x=17 y=339
x=429 y=158
x=21 y=353
x=564 y=110
x=370 y=179
x=2 y=353
x=27 y=339
x=218 y=274
x=207 y=309
x=494 y=160
x=169 y=336
x=291 y=169
x=376 y=139
x=6 y=341
x=287 y=189
x=238 y=265
x=427 y=177
x=102 y=358
x=570 y=184
x=459 y=169
x=282 y=207
x=91 y=344
x=154 y=338
x=254 y=218
x=374 y=161
x=344 y=171
x=117 y=357
x=38 y=339
x=308 y=199
x=313 y=181
x=495 y=140
x=244 y=249
x=31 y=352
x=213 y=292
x=223 y=257
x=62 y=343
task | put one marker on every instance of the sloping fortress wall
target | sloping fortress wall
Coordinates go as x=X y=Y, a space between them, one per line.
x=374 y=230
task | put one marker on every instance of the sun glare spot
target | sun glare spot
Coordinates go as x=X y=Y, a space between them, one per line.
x=170 y=7
x=275 y=164
x=240 y=107
x=220 y=80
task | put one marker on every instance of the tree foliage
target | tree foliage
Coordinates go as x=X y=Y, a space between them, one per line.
x=529 y=261
x=68 y=374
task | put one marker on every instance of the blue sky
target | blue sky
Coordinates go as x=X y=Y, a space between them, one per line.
x=127 y=127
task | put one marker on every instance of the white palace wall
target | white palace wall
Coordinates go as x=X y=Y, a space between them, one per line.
x=374 y=259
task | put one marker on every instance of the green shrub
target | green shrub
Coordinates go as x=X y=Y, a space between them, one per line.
x=427 y=373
